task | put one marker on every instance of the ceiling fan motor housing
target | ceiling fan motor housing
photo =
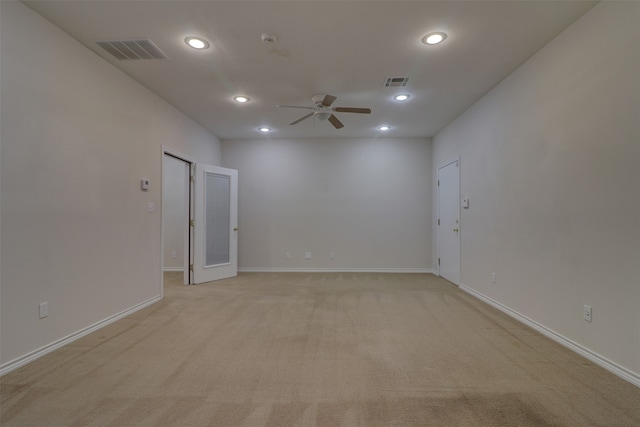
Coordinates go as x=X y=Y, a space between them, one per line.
x=317 y=99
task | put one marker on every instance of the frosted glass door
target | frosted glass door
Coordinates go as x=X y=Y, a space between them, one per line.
x=218 y=192
x=215 y=229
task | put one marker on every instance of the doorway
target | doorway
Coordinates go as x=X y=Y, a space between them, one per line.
x=199 y=219
x=177 y=213
x=449 y=221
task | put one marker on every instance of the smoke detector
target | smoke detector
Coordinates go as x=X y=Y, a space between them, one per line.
x=269 y=38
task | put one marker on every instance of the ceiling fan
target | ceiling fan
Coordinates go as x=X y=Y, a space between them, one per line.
x=323 y=111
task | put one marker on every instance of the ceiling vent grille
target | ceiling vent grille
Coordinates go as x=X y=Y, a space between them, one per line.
x=396 y=81
x=132 y=49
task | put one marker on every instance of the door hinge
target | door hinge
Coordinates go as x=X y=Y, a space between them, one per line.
x=438 y=183
x=438 y=221
x=438 y=261
x=192 y=178
x=191 y=267
x=192 y=223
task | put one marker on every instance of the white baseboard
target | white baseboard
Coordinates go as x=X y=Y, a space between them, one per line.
x=36 y=354
x=180 y=269
x=332 y=270
x=602 y=361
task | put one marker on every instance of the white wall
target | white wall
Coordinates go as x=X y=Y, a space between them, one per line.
x=77 y=137
x=550 y=160
x=366 y=200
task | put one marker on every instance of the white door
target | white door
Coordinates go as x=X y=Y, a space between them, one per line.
x=216 y=223
x=449 y=221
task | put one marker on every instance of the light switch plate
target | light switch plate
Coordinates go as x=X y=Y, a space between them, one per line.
x=44 y=310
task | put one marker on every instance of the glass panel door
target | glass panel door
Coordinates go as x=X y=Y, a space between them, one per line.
x=217 y=226
x=216 y=223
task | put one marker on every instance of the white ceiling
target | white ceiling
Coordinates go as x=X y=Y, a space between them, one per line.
x=343 y=48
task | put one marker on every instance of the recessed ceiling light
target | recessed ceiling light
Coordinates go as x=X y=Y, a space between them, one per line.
x=434 y=38
x=384 y=128
x=197 y=42
x=241 y=99
x=402 y=97
x=264 y=129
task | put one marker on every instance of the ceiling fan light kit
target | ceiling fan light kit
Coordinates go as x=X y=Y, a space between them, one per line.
x=322 y=115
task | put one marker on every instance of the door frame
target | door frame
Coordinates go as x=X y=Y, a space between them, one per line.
x=455 y=159
x=188 y=249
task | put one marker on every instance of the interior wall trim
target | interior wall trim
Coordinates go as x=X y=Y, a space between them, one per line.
x=614 y=368
x=333 y=270
x=38 y=353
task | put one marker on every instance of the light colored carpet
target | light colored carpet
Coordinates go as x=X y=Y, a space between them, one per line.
x=333 y=350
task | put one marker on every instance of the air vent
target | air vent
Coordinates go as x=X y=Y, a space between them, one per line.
x=396 y=81
x=132 y=49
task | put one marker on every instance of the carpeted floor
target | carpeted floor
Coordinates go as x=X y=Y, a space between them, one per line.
x=294 y=349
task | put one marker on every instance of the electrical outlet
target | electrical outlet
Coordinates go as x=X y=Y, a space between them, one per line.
x=287 y=255
x=587 y=313
x=44 y=310
x=307 y=255
x=332 y=255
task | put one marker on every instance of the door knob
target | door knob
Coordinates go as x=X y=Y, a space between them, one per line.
x=456 y=230
x=235 y=228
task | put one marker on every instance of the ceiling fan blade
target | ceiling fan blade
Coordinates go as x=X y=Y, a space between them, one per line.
x=328 y=100
x=295 y=106
x=352 y=110
x=335 y=122
x=301 y=119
